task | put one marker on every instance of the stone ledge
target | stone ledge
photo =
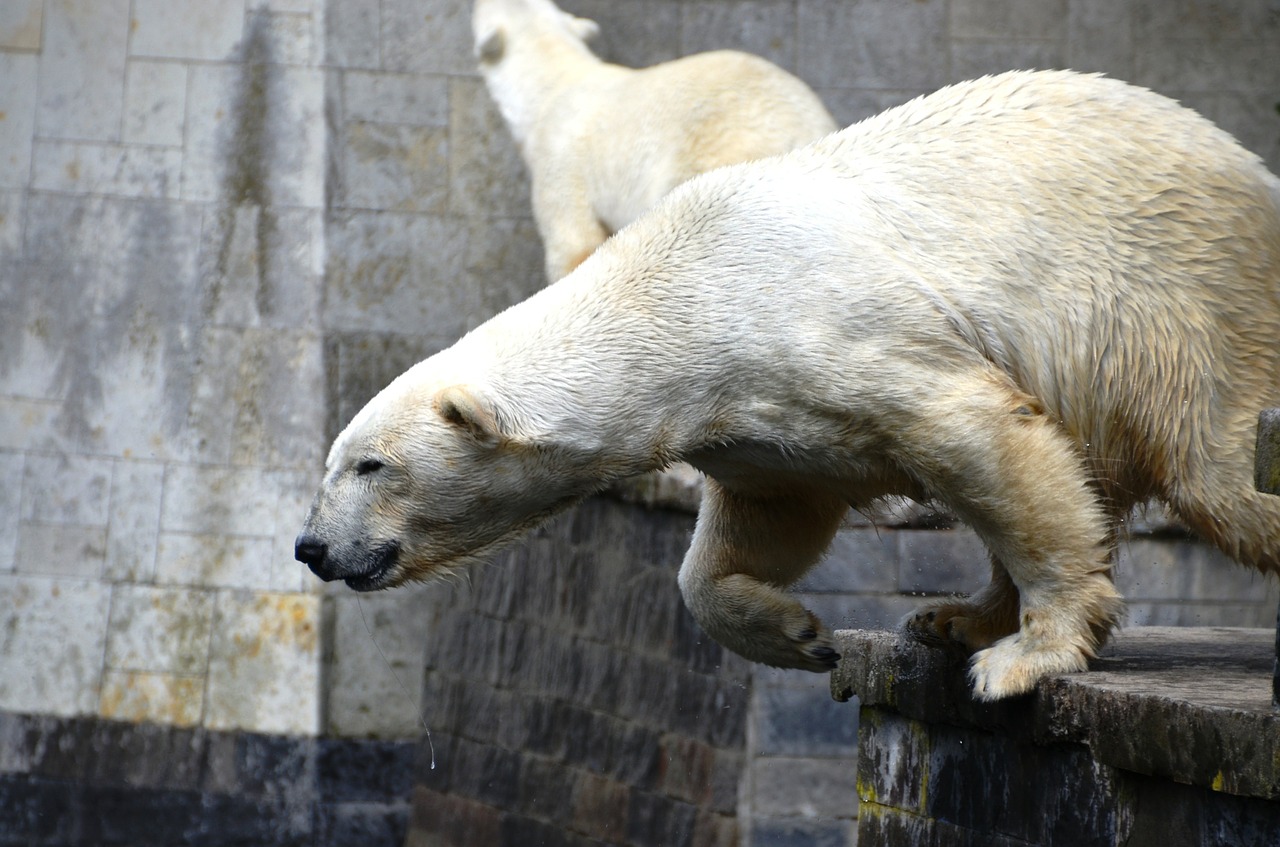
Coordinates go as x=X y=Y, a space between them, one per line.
x=1188 y=704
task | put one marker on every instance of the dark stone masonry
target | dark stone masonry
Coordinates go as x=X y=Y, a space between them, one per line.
x=1168 y=740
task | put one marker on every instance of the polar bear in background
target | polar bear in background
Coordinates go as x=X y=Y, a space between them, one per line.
x=1038 y=298
x=603 y=142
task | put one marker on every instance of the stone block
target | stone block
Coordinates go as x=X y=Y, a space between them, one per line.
x=395 y=167
x=61 y=550
x=12 y=217
x=30 y=425
x=802 y=832
x=20 y=24
x=1148 y=569
x=1175 y=67
x=760 y=27
x=361 y=823
x=159 y=630
x=66 y=489
x=973 y=58
x=255 y=134
x=427 y=37
x=353 y=31
x=942 y=561
x=289 y=38
x=296 y=489
x=214 y=560
x=52 y=635
x=216 y=500
x=881 y=44
x=122 y=170
x=654 y=819
x=1196 y=614
x=599 y=805
x=155 y=105
x=37 y=808
x=1008 y=19
x=10 y=508
x=1100 y=37
x=487 y=177
x=861 y=560
x=351 y=771
x=18 y=102
x=400 y=273
x=893 y=761
x=377 y=671
x=804 y=787
x=264 y=664
x=448 y=820
x=802 y=721
x=390 y=98
x=157 y=698
x=205 y=30
x=637 y=33
x=133 y=526
x=82 y=69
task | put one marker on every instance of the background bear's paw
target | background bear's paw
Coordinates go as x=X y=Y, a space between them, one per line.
x=1014 y=665
x=951 y=622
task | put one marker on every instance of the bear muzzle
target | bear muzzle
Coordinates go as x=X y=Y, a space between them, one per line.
x=368 y=573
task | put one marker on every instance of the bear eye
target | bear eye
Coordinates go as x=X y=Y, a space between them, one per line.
x=369 y=466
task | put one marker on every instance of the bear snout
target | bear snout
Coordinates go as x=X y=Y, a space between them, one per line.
x=312 y=553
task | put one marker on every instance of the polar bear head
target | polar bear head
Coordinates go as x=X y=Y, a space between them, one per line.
x=424 y=481
x=497 y=23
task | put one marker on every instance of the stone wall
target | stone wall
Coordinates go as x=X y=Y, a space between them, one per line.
x=224 y=224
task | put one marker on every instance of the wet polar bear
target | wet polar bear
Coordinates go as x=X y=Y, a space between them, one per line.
x=603 y=142
x=1038 y=298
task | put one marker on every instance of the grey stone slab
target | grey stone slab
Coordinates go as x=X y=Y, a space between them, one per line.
x=125 y=382
x=10 y=508
x=353 y=32
x=295 y=490
x=1231 y=20
x=803 y=832
x=1198 y=614
x=803 y=787
x=764 y=28
x=123 y=170
x=942 y=561
x=972 y=58
x=1100 y=37
x=398 y=273
x=487 y=177
x=214 y=560
x=52 y=636
x=141 y=697
x=377 y=668
x=291 y=39
x=212 y=500
x=61 y=549
x=155 y=105
x=415 y=99
x=873 y=44
x=27 y=424
x=859 y=560
x=255 y=134
x=860 y=611
x=1252 y=117
x=82 y=69
x=20 y=23
x=159 y=630
x=1162 y=570
x=1008 y=19
x=187 y=29
x=262 y=266
x=264 y=664
x=427 y=36
x=133 y=525
x=66 y=489
x=1204 y=66
x=12 y=218
x=637 y=33
x=803 y=722
x=18 y=102
x=395 y=168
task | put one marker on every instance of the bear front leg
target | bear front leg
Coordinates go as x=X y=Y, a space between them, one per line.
x=745 y=551
x=569 y=228
x=1012 y=474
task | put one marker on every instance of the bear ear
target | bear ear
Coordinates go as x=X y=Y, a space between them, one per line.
x=461 y=407
x=584 y=28
x=491 y=46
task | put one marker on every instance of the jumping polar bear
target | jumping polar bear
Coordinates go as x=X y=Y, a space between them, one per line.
x=602 y=142
x=1038 y=298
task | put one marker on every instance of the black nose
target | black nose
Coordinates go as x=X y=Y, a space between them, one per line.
x=309 y=551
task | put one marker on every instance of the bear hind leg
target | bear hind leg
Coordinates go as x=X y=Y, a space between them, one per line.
x=975 y=622
x=745 y=551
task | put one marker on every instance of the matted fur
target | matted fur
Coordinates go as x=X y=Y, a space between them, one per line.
x=1038 y=298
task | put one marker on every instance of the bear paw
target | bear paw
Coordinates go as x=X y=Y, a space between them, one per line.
x=950 y=623
x=1014 y=664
